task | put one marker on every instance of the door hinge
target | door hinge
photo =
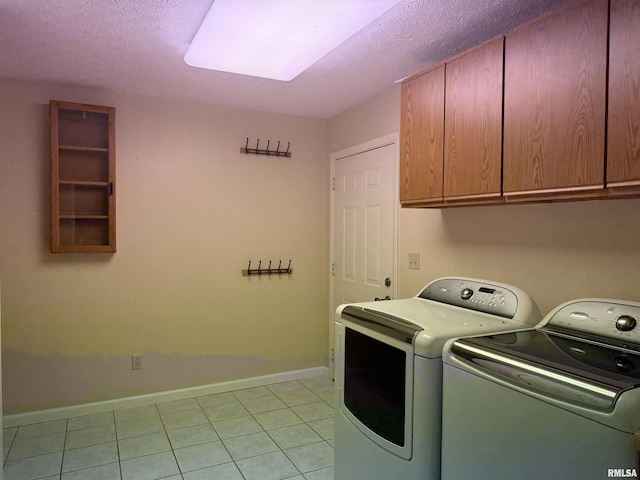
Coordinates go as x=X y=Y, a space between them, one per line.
x=333 y=269
x=333 y=184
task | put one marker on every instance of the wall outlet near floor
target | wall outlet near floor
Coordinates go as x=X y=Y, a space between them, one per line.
x=414 y=261
x=136 y=362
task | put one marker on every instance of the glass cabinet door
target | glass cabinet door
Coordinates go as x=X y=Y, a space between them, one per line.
x=82 y=177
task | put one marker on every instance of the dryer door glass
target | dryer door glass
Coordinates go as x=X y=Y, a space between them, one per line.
x=375 y=385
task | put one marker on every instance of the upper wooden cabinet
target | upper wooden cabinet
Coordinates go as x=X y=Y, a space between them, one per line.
x=82 y=177
x=550 y=111
x=473 y=124
x=623 y=135
x=554 y=103
x=422 y=138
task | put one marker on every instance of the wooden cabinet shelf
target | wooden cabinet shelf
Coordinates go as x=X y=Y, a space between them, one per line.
x=82 y=149
x=78 y=182
x=82 y=177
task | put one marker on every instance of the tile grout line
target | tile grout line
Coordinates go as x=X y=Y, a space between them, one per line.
x=64 y=446
x=166 y=432
x=115 y=428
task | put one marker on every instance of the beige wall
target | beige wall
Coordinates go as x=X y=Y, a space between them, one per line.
x=375 y=118
x=554 y=251
x=191 y=212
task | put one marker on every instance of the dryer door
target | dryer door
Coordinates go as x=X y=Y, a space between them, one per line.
x=376 y=394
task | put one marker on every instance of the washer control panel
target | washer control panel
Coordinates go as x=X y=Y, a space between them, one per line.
x=474 y=295
x=604 y=318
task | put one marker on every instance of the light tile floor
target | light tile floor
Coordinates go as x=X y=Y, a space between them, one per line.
x=283 y=430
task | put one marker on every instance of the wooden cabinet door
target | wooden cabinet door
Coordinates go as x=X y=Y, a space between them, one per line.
x=422 y=138
x=82 y=178
x=473 y=123
x=554 y=112
x=623 y=139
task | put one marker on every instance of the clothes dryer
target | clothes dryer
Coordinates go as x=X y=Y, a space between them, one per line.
x=389 y=372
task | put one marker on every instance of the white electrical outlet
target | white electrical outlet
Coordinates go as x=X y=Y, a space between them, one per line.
x=414 y=261
x=136 y=362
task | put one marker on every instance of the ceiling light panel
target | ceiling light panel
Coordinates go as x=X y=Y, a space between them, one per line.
x=277 y=39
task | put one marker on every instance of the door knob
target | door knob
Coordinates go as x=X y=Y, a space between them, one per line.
x=387 y=282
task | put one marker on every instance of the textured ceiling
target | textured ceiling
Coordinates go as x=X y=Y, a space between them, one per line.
x=137 y=47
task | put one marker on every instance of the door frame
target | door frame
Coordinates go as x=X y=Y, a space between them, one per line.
x=391 y=139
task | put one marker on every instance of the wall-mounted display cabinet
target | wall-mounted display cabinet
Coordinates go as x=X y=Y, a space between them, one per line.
x=549 y=111
x=82 y=178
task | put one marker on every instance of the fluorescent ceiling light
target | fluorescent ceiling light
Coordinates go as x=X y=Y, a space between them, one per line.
x=277 y=39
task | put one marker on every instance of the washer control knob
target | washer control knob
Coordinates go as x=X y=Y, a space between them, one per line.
x=466 y=293
x=625 y=323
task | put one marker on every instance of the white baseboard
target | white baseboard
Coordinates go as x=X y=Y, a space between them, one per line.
x=151 y=398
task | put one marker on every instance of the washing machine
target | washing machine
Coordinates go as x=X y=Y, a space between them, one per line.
x=389 y=372
x=561 y=401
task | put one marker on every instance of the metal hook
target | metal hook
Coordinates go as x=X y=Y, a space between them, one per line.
x=287 y=152
x=278 y=153
x=249 y=269
x=268 y=142
x=289 y=267
x=257 y=146
x=246 y=150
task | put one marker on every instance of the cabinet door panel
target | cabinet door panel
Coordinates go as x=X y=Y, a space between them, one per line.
x=83 y=203
x=555 y=88
x=422 y=127
x=473 y=123
x=83 y=128
x=623 y=142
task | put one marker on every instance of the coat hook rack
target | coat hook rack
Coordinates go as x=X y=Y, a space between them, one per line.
x=280 y=270
x=266 y=151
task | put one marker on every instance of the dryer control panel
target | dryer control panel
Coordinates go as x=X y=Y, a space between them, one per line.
x=474 y=295
x=600 y=317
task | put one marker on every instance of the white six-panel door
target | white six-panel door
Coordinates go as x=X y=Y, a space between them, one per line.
x=364 y=224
